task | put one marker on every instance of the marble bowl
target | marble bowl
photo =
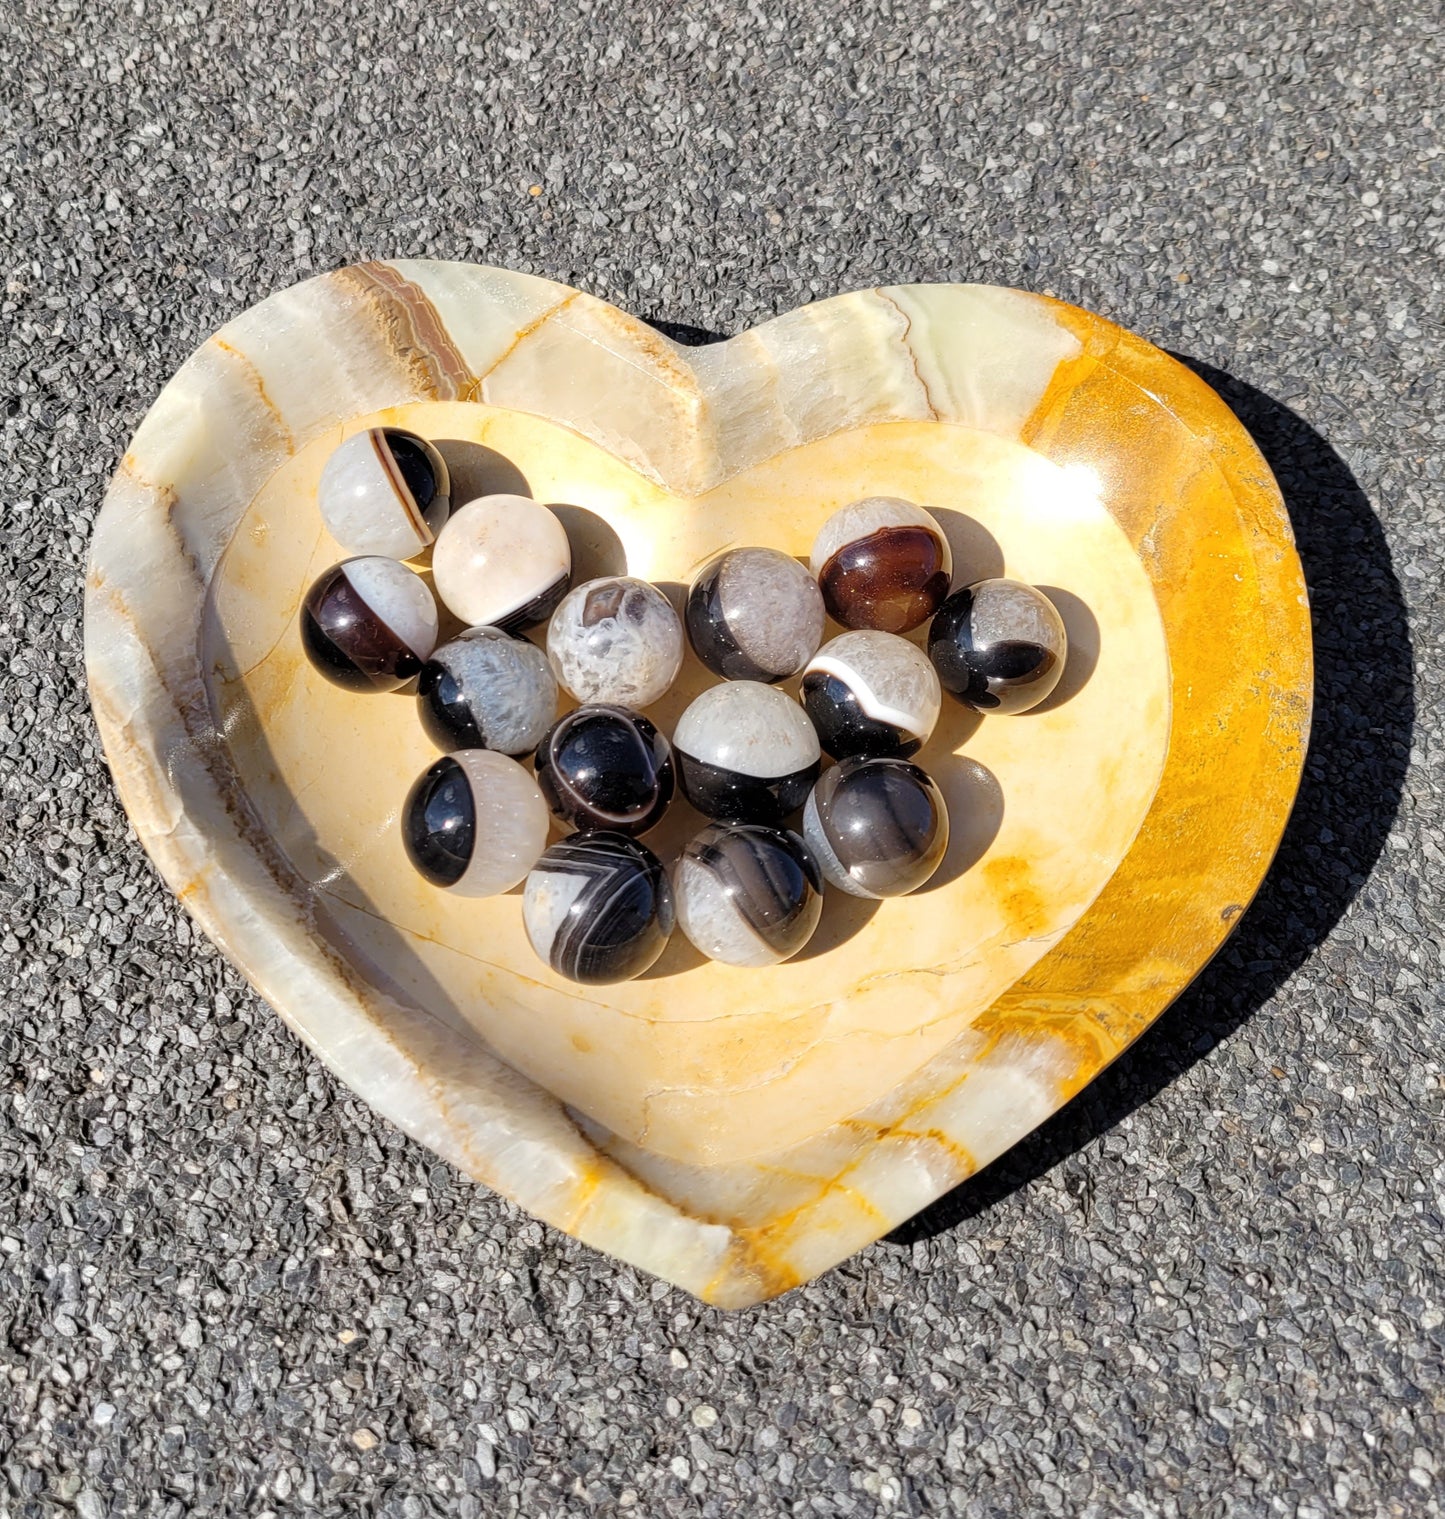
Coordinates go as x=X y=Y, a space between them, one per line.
x=734 y=1131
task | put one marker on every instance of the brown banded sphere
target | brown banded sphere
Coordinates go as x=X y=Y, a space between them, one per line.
x=882 y=563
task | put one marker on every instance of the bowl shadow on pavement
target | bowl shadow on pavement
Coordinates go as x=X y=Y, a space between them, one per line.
x=1354 y=773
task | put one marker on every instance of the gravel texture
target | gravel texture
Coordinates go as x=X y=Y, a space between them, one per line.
x=1214 y=1285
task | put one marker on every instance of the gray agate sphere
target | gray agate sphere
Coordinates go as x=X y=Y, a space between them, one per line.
x=487 y=690
x=879 y=827
x=754 y=614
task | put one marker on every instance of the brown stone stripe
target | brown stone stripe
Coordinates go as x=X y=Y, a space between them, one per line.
x=414 y=331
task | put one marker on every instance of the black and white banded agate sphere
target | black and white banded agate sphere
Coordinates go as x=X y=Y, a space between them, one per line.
x=598 y=908
x=746 y=753
x=747 y=894
x=384 y=491
x=879 y=827
x=368 y=624
x=871 y=693
x=503 y=562
x=486 y=689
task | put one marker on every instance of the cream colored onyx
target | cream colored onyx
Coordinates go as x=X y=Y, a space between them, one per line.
x=736 y=1131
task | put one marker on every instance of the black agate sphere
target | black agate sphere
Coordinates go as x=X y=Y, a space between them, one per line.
x=998 y=646
x=604 y=766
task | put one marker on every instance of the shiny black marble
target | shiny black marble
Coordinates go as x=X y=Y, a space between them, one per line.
x=607 y=767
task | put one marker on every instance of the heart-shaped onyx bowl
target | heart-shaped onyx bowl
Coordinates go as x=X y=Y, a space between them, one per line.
x=734 y=1131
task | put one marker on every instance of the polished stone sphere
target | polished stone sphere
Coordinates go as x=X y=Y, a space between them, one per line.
x=999 y=646
x=606 y=767
x=746 y=752
x=879 y=827
x=616 y=640
x=882 y=563
x=384 y=491
x=368 y=624
x=871 y=693
x=502 y=562
x=754 y=614
x=487 y=689
x=474 y=823
x=598 y=908
x=746 y=894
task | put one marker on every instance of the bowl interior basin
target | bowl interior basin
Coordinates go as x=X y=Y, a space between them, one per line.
x=696 y=1062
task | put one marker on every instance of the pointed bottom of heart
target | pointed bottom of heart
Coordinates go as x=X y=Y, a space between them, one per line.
x=734 y=1131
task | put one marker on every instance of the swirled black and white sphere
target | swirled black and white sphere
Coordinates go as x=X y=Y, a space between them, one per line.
x=368 y=624
x=879 y=827
x=487 y=689
x=754 y=614
x=474 y=823
x=502 y=562
x=999 y=646
x=606 y=767
x=746 y=894
x=598 y=908
x=384 y=491
x=616 y=640
x=746 y=752
x=871 y=693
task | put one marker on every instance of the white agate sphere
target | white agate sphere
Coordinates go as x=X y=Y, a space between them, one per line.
x=616 y=640
x=502 y=562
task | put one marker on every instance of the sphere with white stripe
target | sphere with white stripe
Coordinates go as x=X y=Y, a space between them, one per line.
x=385 y=491
x=872 y=693
x=368 y=624
x=746 y=753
